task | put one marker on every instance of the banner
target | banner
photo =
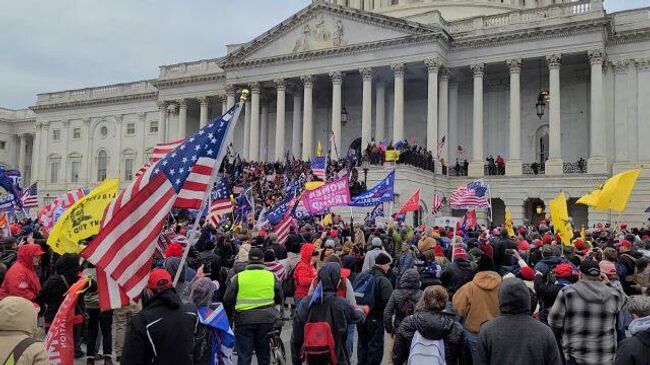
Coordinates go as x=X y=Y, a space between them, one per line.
x=332 y=194
x=82 y=219
x=614 y=193
x=311 y=185
x=411 y=205
x=508 y=225
x=382 y=192
x=392 y=155
x=445 y=221
x=276 y=213
x=59 y=341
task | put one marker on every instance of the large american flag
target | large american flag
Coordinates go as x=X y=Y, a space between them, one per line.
x=30 y=196
x=282 y=228
x=221 y=203
x=161 y=150
x=472 y=195
x=436 y=206
x=319 y=166
x=123 y=249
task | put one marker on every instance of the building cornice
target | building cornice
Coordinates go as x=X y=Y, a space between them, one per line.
x=95 y=102
x=166 y=83
x=630 y=36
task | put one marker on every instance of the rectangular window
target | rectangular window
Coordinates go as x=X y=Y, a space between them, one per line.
x=130 y=129
x=128 y=169
x=153 y=127
x=54 y=171
x=74 y=170
x=76 y=133
x=56 y=135
x=3 y=145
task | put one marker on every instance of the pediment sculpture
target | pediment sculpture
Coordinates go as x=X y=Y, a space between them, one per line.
x=320 y=35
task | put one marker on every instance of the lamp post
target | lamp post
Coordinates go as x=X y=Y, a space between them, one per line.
x=365 y=174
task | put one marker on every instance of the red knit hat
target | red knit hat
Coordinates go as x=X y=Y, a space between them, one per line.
x=538 y=243
x=547 y=238
x=527 y=273
x=563 y=270
x=174 y=250
x=334 y=233
x=625 y=244
x=159 y=279
x=460 y=253
x=523 y=246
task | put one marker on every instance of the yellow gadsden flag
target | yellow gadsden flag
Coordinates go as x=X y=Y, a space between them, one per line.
x=508 y=224
x=319 y=150
x=614 y=193
x=560 y=218
x=311 y=185
x=392 y=155
x=82 y=219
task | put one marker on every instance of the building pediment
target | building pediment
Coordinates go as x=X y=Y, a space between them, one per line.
x=323 y=28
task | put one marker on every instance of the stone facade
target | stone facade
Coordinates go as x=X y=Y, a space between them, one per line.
x=467 y=71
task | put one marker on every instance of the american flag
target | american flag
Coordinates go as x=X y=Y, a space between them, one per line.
x=474 y=194
x=221 y=203
x=48 y=213
x=237 y=189
x=319 y=166
x=282 y=228
x=30 y=196
x=10 y=184
x=125 y=245
x=437 y=204
x=161 y=244
x=161 y=150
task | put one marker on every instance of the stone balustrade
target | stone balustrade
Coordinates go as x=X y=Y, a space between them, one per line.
x=108 y=91
x=190 y=68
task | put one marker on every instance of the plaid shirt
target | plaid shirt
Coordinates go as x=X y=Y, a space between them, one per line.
x=585 y=314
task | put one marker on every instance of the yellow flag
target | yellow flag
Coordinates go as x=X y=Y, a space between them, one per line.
x=614 y=193
x=319 y=149
x=560 y=218
x=82 y=219
x=392 y=155
x=508 y=224
x=583 y=235
x=314 y=184
x=327 y=220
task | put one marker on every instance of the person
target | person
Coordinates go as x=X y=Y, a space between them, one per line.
x=18 y=328
x=376 y=247
x=305 y=271
x=163 y=332
x=21 y=279
x=370 y=345
x=635 y=350
x=122 y=317
x=548 y=289
x=253 y=294
x=403 y=300
x=584 y=316
x=66 y=269
x=516 y=329
x=459 y=272
x=97 y=320
x=433 y=323
x=329 y=307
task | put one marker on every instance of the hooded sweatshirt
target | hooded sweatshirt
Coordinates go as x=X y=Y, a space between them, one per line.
x=17 y=322
x=478 y=300
x=403 y=300
x=53 y=291
x=516 y=329
x=305 y=272
x=635 y=349
x=21 y=279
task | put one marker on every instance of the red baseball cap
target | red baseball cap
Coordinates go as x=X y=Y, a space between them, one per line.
x=159 y=279
x=625 y=244
x=527 y=273
x=563 y=270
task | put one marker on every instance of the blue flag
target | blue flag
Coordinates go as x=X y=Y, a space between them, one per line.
x=276 y=213
x=7 y=203
x=377 y=211
x=222 y=338
x=221 y=190
x=10 y=181
x=382 y=192
x=245 y=205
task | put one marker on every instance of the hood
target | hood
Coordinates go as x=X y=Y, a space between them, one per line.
x=593 y=291
x=242 y=255
x=410 y=280
x=487 y=280
x=514 y=297
x=306 y=251
x=433 y=325
x=167 y=298
x=171 y=264
x=464 y=265
x=329 y=276
x=349 y=262
x=27 y=252
x=67 y=265
x=18 y=314
x=639 y=325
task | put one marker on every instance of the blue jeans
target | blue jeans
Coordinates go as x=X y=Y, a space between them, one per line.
x=370 y=345
x=471 y=342
x=253 y=337
x=349 y=342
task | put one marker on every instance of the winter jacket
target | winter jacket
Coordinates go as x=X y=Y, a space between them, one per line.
x=305 y=272
x=546 y=294
x=456 y=274
x=162 y=333
x=371 y=256
x=635 y=350
x=17 y=322
x=432 y=326
x=21 y=279
x=478 y=300
x=342 y=314
x=515 y=329
x=499 y=256
x=383 y=291
x=403 y=300
x=51 y=295
x=253 y=316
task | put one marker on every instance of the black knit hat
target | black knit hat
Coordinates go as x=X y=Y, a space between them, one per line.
x=383 y=259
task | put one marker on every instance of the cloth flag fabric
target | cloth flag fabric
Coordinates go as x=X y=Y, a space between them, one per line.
x=469 y=221
x=560 y=218
x=161 y=150
x=411 y=205
x=49 y=213
x=614 y=193
x=436 y=205
x=508 y=225
x=319 y=150
x=10 y=182
x=282 y=228
x=222 y=338
x=124 y=247
x=472 y=195
x=382 y=192
x=377 y=211
x=82 y=219
x=332 y=194
x=7 y=203
x=59 y=341
x=30 y=196
x=319 y=167
x=392 y=155
x=245 y=205
x=220 y=204
x=276 y=213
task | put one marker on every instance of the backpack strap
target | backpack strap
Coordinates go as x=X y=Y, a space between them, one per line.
x=18 y=350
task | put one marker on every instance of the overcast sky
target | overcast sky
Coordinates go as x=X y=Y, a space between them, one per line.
x=65 y=44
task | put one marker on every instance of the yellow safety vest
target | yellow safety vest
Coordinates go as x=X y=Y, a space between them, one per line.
x=256 y=289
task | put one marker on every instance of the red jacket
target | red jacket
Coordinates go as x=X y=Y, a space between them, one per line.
x=305 y=272
x=21 y=279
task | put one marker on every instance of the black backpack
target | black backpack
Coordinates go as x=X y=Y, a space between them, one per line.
x=289 y=285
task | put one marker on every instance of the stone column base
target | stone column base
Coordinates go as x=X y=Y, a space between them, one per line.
x=513 y=168
x=476 y=169
x=554 y=166
x=596 y=165
x=620 y=166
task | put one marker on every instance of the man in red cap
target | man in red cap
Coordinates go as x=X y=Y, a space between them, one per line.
x=548 y=286
x=21 y=279
x=626 y=265
x=163 y=332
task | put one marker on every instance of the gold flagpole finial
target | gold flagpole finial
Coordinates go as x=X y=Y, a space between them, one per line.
x=244 y=94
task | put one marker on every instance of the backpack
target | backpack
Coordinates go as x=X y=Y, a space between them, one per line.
x=424 y=351
x=18 y=350
x=289 y=284
x=364 y=289
x=318 y=345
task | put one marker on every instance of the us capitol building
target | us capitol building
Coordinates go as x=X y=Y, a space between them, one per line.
x=545 y=84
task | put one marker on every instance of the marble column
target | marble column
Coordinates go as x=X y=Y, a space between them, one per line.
x=398 y=109
x=162 y=121
x=182 y=119
x=513 y=163
x=230 y=97
x=264 y=130
x=280 y=115
x=307 y=117
x=296 y=124
x=36 y=155
x=632 y=112
x=597 y=163
x=554 y=164
x=224 y=104
x=337 y=84
x=433 y=66
x=643 y=69
x=476 y=165
x=22 y=154
x=254 y=129
x=443 y=115
x=203 y=114
x=380 y=111
x=43 y=150
x=86 y=161
x=621 y=136
x=247 y=128
x=172 y=115
x=366 y=106
x=453 y=123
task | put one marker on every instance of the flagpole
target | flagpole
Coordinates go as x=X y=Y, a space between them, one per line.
x=215 y=171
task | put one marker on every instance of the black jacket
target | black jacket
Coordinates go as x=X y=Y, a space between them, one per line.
x=634 y=350
x=52 y=293
x=383 y=291
x=403 y=300
x=500 y=246
x=162 y=333
x=432 y=326
x=457 y=274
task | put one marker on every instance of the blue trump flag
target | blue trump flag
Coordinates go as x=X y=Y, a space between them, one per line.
x=382 y=192
x=377 y=211
x=11 y=183
x=276 y=213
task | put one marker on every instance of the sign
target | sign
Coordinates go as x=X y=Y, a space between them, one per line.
x=446 y=221
x=332 y=194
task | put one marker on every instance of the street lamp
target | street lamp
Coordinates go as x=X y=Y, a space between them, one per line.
x=365 y=164
x=539 y=209
x=344 y=116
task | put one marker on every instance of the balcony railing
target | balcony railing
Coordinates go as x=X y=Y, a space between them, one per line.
x=533 y=169
x=579 y=167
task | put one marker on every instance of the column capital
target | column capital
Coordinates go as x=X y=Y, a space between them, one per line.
x=444 y=74
x=643 y=64
x=255 y=87
x=307 y=80
x=172 y=107
x=366 y=73
x=162 y=105
x=554 y=61
x=119 y=119
x=433 y=64
x=596 y=56
x=230 y=90
x=514 y=65
x=203 y=100
x=142 y=115
x=280 y=84
x=478 y=69
x=398 y=69
x=620 y=66
x=182 y=103
x=337 y=77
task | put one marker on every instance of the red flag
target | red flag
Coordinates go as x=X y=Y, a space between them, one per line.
x=411 y=205
x=59 y=341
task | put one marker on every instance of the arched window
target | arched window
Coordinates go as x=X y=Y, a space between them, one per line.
x=102 y=164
